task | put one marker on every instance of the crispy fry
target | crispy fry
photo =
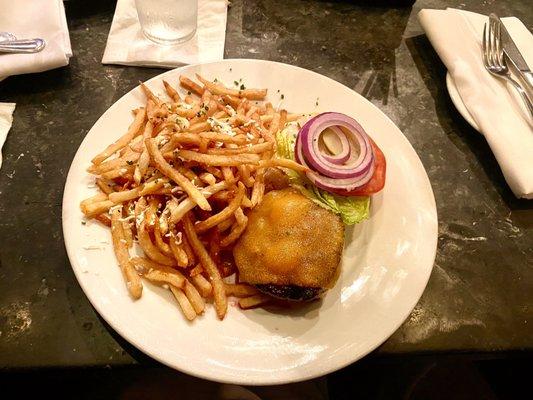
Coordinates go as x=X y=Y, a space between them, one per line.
x=99 y=207
x=208 y=178
x=252 y=94
x=172 y=93
x=224 y=214
x=240 y=290
x=225 y=225
x=194 y=297
x=158 y=273
x=133 y=131
x=256 y=148
x=176 y=246
x=186 y=205
x=222 y=137
x=217 y=160
x=149 y=95
x=236 y=232
x=283 y=162
x=104 y=219
x=191 y=85
x=104 y=185
x=254 y=301
x=133 y=281
x=125 y=195
x=170 y=172
x=184 y=303
x=221 y=302
x=150 y=249
x=202 y=284
x=163 y=247
x=191 y=258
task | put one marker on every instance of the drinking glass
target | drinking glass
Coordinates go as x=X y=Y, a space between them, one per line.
x=168 y=21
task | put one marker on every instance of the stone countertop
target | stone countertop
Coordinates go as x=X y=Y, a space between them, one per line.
x=479 y=298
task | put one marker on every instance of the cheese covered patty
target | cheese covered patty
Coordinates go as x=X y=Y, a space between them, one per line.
x=290 y=241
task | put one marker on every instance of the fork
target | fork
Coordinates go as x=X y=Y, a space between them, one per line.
x=494 y=60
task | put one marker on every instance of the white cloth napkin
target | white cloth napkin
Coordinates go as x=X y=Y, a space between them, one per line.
x=127 y=45
x=6 y=119
x=28 y=19
x=456 y=36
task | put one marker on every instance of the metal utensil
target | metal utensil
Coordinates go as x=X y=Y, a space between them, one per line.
x=511 y=51
x=7 y=36
x=494 y=61
x=22 y=46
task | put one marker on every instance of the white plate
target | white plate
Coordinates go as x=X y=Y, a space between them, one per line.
x=458 y=102
x=386 y=265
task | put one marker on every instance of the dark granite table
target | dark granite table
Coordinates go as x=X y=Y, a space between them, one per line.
x=480 y=295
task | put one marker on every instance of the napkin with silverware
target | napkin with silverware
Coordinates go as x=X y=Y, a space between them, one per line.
x=127 y=45
x=29 y=19
x=6 y=119
x=456 y=35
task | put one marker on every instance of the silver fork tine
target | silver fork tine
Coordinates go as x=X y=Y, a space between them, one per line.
x=494 y=59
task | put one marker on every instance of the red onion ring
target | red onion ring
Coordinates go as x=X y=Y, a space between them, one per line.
x=346 y=149
x=330 y=174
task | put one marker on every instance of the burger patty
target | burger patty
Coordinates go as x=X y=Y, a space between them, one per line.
x=291 y=292
x=291 y=247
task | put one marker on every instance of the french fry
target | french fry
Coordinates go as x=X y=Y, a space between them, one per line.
x=196 y=270
x=240 y=290
x=170 y=172
x=105 y=185
x=133 y=281
x=149 y=95
x=188 y=250
x=187 y=205
x=236 y=231
x=222 y=215
x=221 y=302
x=94 y=199
x=191 y=86
x=222 y=137
x=208 y=178
x=119 y=172
x=199 y=127
x=104 y=219
x=202 y=284
x=184 y=303
x=93 y=209
x=176 y=246
x=256 y=149
x=125 y=195
x=283 y=162
x=163 y=247
x=225 y=225
x=252 y=94
x=254 y=301
x=217 y=160
x=151 y=251
x=133 y=131
x=194 y=297
x=172 y=93
x=169 y=275
x=227 y=173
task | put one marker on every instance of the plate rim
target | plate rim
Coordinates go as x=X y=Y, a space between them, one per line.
x=205 y=374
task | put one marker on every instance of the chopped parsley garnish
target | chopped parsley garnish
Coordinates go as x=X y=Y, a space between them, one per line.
x=243 y=87
x=282 y=96
x=83 y=223
x=236 y=83
x=129 y=162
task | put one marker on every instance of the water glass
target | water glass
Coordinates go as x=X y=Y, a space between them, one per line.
x=168 y=21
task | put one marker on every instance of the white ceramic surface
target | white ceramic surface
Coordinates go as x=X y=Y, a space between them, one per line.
x=386 y=264
x=458 y=102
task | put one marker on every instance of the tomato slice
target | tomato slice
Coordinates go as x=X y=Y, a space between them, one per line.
x=376 y=183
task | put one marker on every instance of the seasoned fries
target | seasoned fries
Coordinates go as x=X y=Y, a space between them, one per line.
x=180 y=183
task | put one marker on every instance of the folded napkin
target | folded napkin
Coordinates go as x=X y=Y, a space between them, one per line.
x=29 y=19
x=456 y=36
x=127 y=45
x=6 y=119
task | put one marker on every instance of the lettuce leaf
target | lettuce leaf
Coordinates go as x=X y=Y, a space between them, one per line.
x=352 y=210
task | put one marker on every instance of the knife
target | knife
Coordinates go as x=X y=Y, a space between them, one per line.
x=510 y=49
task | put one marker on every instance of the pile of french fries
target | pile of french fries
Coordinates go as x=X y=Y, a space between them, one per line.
x=180 y=182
